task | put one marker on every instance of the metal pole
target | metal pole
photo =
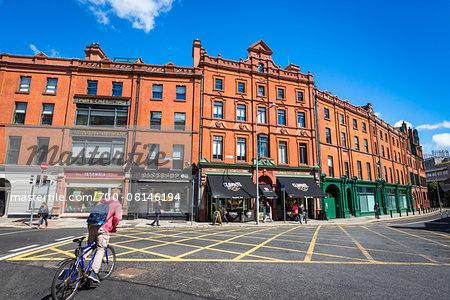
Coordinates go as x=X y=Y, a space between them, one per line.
x=439 y=195
x=283 y=191
x=32 y=199
x=257 y=174
x=192 y=202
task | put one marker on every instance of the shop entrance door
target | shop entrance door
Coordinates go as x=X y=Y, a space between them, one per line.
x=2 y=203
x=330 y=207
x=5 y=188
x=350 y=202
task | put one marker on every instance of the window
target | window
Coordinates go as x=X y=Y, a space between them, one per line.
x=397 y=143
x=241 y=153
x=388 y=153
x=153 y=156
x=241 y=112
x=241 y=87
x=364 y=127
x=347 y=171
x=366 y=146
x=12 y=156
x=330 y=166
x=328 y=135
x=385 y=135
x=282 y=117
x=51 y=85
x=155 y=120
x=217 y=147
x=263 y=145
x=157 y=92
x=301 y=119
x=341 y=118
x=261 y=68
x=261 y=115
x=355 y=124
x=401 y=172
x=376 y=148
x=358 y=164
x=24 y=84
x=398 y=177
x=261 y=90
x=92 y=87
x=326 y=113
x=177 y=157
x=179 y=121
x=356 y=143
x=300 y=96
x=218 y=110
x=282 y=152
x=366 y=197
x=117 y=89
x=280 y=93
x=393 y=141
x=101 y=115
x=385 y=174
x=381 y=135
x=369 y=172
x=47 y=114
x=382 y=150
x=19 y=113
x=390 y=173
x=303 y=154
x=395 y=155
x=344 y=143
x=218 y=84
x=180 y=92
x=40 y=155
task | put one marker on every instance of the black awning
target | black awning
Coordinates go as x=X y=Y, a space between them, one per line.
x=231 y=186
x=301 y=187
x=267 y=191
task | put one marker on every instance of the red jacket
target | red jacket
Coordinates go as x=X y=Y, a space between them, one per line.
x=114 y=215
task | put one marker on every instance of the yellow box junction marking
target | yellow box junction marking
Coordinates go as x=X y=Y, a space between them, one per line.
x=417 y=236
x=310 y=251
x=364 y=251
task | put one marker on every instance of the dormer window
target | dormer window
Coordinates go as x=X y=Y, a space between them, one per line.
x=261 y=68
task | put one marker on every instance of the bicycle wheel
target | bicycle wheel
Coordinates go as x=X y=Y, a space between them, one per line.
x=108 y=263
x=66 y=280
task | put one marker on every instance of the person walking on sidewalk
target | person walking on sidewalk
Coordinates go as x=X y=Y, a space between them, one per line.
x=268 y=212
x=376 y=209
x=224 y=214
x=43 y=215
x=157 y=213
x=103 y=220
x=300 y=213
x=302 y=208
x=296 y=216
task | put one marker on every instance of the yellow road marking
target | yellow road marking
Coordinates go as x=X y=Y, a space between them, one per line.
x=361 y=248
x=218 y=243
x=310 y=251
x=437 y=233
x=262 y=244
x=420 y=254
x=414 y=235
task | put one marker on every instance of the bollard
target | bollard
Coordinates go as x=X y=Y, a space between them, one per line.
x=400 y=212
x=407 y=212
x=419 y=211
x=391 y=213
x=413 y=211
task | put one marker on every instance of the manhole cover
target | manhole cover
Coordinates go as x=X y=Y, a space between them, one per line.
x=131 y=272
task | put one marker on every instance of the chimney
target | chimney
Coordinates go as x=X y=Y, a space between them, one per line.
x=94 y=52
x=196 y=49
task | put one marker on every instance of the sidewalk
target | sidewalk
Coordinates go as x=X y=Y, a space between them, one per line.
x=139 y=223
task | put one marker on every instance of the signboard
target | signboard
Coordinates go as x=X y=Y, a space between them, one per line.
x=123 y=102
x=109 y=133
x=94 y=175
x=44 y=166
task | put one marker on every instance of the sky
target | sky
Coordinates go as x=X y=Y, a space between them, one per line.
x=394 y=54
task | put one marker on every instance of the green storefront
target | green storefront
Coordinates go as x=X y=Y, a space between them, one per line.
x=348 y=197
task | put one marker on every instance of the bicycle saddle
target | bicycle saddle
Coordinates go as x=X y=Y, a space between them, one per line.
x=79 y=240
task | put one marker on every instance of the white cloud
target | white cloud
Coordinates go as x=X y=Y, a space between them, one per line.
x=54 y=53
x=141 y=13
x=444 y=124
x=399 y=124
x=34 y=49
x=442 y=139
x=378 y=114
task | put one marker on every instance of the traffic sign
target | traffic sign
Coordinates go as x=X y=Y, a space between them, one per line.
x=44 y=166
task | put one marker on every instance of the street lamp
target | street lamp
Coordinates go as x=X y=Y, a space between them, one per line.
x=257 y=162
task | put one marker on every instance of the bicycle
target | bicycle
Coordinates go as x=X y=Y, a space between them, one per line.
x=72 y=271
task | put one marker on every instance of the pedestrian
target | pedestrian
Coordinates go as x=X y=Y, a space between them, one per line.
x=295 y=210
x=224 y=214
x=43 y=215
x=269 y=211
x=217 y=218
x=376 y=209
x=103 y=220
x=304 y=213
x=264 y=213
x=157 y=213
x=300 y=213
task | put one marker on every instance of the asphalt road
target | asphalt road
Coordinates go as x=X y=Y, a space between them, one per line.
x=395 y=259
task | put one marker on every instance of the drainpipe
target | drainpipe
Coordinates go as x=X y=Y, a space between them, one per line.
x=200 y=136
x=136 y=105
x=319 y=160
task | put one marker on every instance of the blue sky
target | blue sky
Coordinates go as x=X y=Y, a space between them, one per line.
x=395 y=54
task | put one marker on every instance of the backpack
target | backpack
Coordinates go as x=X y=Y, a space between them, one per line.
x=98 y=215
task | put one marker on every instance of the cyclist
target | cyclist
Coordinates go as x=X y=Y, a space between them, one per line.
x=100 y=233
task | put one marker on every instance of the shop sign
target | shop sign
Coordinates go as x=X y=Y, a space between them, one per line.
x=163 y=175
x=232 y=186
x=103 y=101
x=93 y=175
x=108 y=133
x=301 y=186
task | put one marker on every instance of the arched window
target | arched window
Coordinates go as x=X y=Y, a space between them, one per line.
x=261 y=68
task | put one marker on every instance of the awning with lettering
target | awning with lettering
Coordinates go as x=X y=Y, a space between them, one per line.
x=301 y=187
x=231 y=186
x=267 y=191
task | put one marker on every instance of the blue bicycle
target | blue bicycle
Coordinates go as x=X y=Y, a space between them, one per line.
x=72 y=271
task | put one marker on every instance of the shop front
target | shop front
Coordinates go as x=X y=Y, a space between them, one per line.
x=267 y=195
x=297 y=190
x=233 y=192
